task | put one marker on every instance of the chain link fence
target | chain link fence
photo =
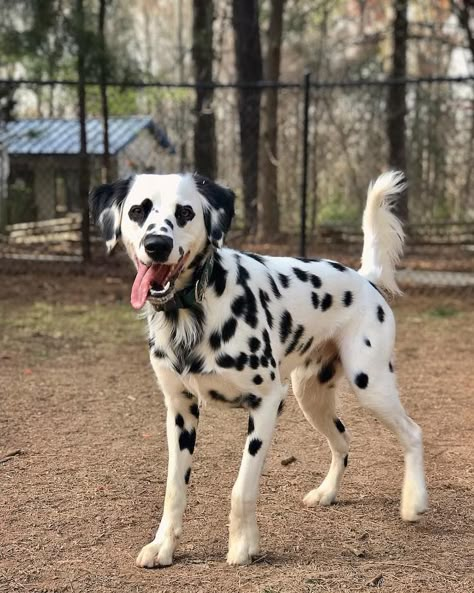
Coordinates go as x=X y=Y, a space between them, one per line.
x=151 y=129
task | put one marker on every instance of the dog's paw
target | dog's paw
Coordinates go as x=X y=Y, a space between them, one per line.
x=242 y=552
x=244 y=545
x=414 y=503
x=155 y=554
x=324 y=495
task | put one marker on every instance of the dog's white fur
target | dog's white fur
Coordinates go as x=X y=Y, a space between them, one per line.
x=310 y=322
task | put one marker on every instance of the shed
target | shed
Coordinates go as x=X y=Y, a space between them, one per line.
x=44 y=161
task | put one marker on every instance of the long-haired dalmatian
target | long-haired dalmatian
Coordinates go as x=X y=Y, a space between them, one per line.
x=232 y=328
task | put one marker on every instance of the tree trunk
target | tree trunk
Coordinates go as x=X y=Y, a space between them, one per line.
x=205 y=152
x=396 y=102
x=248 y=56
x=268 y=215
x=106 y=173
x=83 y=158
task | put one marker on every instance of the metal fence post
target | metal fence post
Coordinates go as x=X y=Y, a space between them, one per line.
x=304 y=178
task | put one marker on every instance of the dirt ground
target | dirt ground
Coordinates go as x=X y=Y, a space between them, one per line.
x=83 y=461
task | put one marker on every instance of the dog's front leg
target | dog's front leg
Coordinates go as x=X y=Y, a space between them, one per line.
x=181 y=424
x=244 y=541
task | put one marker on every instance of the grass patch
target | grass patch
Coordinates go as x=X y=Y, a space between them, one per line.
x=443 y=311
x=44 y=329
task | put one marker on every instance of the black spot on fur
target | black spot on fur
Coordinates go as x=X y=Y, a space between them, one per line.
x=251 y=426
x=253 y=361
x=163 y=229
x=301 y=274
x=286 y=324
x=254 y=446
x=265 y=299
x=188 y=394
x=217 y=396
x=228 y=329
x=215 y=340
x=307 y=346
x=315 y=281
x=284 y=280
x=187 y=440
x=339 y=425
x=225 y=361
x=274 y=287
x=390 y=367
x=254 y=344
x=272 y=362
x=159 y=353
x=264 y=361
x=326 y=302
x=257 y=380
x=238 y=306
x=281 y=405
x=294 y=341
x=218 y=278
x=346 y=460
x=256 y=257
x=251 y=317
x=250 y=400
x=315 y=300
x=336 y=265
x=362 y=380
x=196 y=365
x=242 y=275
x=327 y=372
x=187 y=475
x=179 y=421
x=367 y=342
x=194 y=409
x=272 y=376
x=347 y=298
x=380 y=314
x=307 y=260
x=241 y=361
x=169 y=223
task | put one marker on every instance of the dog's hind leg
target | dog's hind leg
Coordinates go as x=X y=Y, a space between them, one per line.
x=314 y=389
x=368 y=366
x=244 y=541
x=181 y=423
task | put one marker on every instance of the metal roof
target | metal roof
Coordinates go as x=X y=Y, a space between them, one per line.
x=61 y=136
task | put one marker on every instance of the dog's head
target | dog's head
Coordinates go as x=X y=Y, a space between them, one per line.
x=164 y=222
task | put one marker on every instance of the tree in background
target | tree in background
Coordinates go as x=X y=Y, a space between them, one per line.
x=79 y=36
x=103 y=69
x=205 y=153
x=248 y=55
x=268 y=215
x=396 y=101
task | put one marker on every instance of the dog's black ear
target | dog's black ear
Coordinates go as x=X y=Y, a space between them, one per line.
x=218 y=208
x=105 y=203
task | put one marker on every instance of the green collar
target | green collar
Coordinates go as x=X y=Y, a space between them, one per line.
x=191 y=295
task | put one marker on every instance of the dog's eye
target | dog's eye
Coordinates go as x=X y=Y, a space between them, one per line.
x=136 y=213
x=183 y=214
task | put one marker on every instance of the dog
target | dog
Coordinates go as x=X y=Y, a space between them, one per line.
x=232 y=328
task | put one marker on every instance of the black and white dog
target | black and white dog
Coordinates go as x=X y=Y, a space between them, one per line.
x=233 y=327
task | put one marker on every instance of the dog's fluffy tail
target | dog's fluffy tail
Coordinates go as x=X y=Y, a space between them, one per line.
x=383 y=233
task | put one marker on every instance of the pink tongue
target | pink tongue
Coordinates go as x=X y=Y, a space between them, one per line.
x=141 y=286
x=145 y=276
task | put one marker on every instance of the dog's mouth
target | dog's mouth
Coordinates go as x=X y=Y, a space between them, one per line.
x=155 y=283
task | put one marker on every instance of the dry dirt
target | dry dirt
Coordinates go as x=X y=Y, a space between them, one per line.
x=83 y=488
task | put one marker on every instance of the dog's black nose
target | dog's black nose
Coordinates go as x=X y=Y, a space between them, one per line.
x=158 y=247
